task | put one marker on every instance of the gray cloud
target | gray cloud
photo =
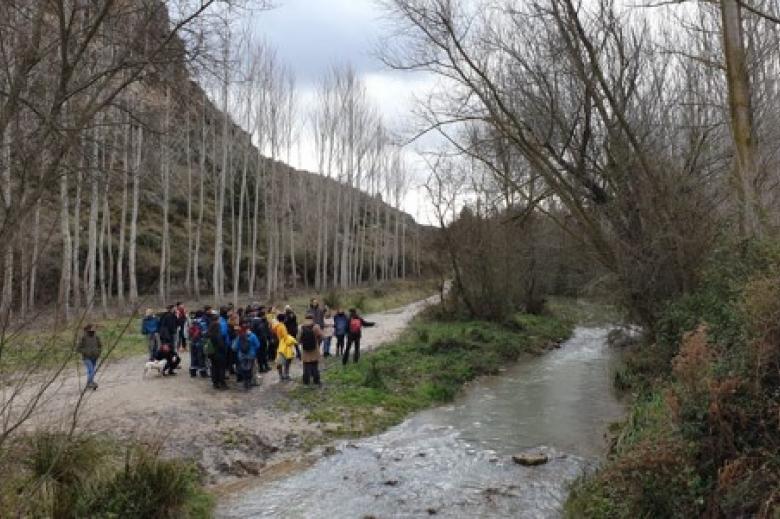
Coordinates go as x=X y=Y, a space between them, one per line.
x=312 y=35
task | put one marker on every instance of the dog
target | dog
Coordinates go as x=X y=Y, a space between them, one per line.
x=151 y=365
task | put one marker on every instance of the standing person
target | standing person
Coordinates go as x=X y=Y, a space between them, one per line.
x=318 y=312
x=197 y=333
x=354 y=333
x=150 y=327
x=291 y=323
x=90 y=347
x=260 y=328
x=217 y=353
x=168 y=327
x=181 y=325
x=273 y=343
x=285 y=350
x=340 y=329
x=309 y=337
x=228 y=334
x=327 y=333
x=246 y=347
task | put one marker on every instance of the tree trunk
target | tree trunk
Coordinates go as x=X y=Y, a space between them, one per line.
x=741 y=115
x=134 y=217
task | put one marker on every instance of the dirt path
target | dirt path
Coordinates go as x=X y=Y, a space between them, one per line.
x=230 y=433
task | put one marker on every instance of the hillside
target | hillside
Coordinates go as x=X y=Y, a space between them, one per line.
x=165 y=137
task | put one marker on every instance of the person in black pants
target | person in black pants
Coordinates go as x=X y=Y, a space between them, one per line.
x=217 y=354
x=310 y=337
x=168 y=327
x=354 y=333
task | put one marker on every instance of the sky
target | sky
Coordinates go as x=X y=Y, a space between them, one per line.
x=310 y=36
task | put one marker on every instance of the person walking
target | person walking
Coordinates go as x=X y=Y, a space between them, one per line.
x=309 y=337
x=340 y=329
x=246 y=347
x=150 y=328
x=354 y=333
x=90 y=348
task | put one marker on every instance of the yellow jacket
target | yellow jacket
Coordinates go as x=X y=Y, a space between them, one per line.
x=286 y=341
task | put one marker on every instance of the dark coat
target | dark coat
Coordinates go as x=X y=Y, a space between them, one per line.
x=168 y=325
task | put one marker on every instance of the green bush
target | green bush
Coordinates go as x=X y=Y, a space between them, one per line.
x=147 y=487
x=697 y=441
x=64 y=477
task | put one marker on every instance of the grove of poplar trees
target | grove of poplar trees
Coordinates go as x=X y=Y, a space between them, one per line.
x=123 y=176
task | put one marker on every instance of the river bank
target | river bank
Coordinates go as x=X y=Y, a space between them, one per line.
x=455 y=460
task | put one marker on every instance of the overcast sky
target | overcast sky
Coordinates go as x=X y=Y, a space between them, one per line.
x=312 y=35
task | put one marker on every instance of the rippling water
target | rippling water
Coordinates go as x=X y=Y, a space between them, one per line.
x=455 y=461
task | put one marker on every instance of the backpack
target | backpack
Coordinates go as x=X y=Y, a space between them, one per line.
x=308 y=339
x=243 y=344
x=194 y=331
x=355 y=325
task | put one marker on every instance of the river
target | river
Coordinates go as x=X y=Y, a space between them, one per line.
x=455 y=461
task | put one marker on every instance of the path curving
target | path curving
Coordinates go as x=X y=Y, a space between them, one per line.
x=230 y=433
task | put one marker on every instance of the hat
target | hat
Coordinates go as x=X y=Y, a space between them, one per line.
x=287 y=307
x=149 y=312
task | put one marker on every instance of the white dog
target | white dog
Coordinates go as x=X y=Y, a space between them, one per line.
x=158 y=365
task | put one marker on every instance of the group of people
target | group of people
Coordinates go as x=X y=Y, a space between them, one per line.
x=247 y=341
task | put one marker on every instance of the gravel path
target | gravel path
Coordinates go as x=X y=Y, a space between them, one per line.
x=230 y=433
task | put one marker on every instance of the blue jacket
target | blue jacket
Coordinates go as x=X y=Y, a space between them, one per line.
x=254 y=345
x=223 y=329
x=150 y=325
x=340 y=324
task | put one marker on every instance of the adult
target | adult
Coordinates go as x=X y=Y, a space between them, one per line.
x=286 y=348
x=354 y=333
x=181 y=326
x=309 y=337
x=150 y=328
x=171 y=358
x=90 y=348
x=216 y=351
x=246 y=346
x=228 y=334
x=291 y=323
x=168 y=326
x=197 y=333
x=318 y=313
x=327 y=333
x=259 y=326
x=340 y=329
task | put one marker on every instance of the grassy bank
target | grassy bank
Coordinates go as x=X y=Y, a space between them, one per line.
x=52 y=475
x=122 y=335
x=427 y=365
x=703 y=436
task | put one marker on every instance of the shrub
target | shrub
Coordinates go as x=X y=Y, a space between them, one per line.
x=146 y=487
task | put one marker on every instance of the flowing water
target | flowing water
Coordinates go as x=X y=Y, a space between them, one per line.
x=455 y=461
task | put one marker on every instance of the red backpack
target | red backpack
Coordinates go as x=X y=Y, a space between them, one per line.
x=194 y=331
x=355 y=325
